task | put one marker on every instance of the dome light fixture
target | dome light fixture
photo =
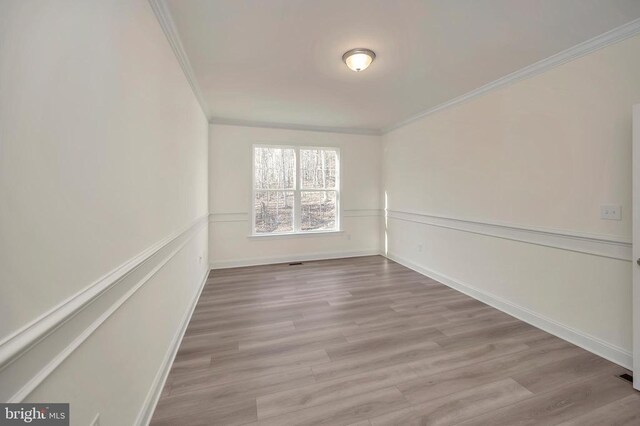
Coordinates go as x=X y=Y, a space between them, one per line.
x=358 y=59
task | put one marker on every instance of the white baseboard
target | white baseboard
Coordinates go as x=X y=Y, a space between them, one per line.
x=31 y=354
x=593 y=344
x=290 y=258
x=153 y=396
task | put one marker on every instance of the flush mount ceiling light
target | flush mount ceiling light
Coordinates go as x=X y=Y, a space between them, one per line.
x=358 y=59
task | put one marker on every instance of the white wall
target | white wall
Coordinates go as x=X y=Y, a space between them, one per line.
x=543 y=153
x=103 y=153
x=230 y=156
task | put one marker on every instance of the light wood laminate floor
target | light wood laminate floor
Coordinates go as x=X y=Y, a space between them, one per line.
x=366 y=341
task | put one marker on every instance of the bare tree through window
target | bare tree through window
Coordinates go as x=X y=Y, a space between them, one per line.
x=274 y=174
x=318 y=195
x=295 y=189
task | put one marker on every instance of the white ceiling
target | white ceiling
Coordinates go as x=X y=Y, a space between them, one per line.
x=279 y=61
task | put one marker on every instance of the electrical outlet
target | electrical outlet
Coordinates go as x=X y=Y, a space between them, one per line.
x=96 y=420
x=610 y=212
x=348 y=237
x=420 y=247
x=200 y=259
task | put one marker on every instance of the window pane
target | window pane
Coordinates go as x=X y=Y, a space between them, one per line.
x=318 y=210
x=274 y=211
x=274 y=168
x=318 y=168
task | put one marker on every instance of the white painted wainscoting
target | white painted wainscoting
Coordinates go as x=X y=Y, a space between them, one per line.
x=29 y=356
x=544 y=277
x=463 y=183
x=231 y=245
x=230 y=195
x=599 y=245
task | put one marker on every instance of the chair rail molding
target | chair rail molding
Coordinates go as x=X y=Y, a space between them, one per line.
x=30 y=354
x=593 y=244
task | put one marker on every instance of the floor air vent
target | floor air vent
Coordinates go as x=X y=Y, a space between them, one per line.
x=295 y=264
x=627 y=377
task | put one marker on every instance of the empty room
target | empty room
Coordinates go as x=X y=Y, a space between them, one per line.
x=336 y=212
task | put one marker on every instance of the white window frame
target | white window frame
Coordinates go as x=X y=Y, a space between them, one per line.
x=297 y=190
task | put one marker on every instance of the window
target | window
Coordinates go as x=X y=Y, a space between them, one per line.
x=295 y=189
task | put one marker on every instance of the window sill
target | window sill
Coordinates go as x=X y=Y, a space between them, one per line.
x=295 y=234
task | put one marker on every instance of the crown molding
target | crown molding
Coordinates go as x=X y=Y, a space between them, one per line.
x=615 y=35
x=289 y=126
x=603 y=40
x=163 y=15
x=596 y=43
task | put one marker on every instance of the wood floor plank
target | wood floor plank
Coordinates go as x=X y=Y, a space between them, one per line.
x=250 y=388
x=391 y=317
x=449 y=381
x=364 y=341
x=469 y=314
x=563 y=372
x=198 y=344
x=493 y=333
x=342 y=412
x=379 y=343
x=298 y=337
x=477 y=324
x=360 y=333
x=239 y=412
x=453 y=408
x=450 y=360
x=559 y=404
x=372 y=360
x=332 y=390
x=245 y=368
x=623 y=412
